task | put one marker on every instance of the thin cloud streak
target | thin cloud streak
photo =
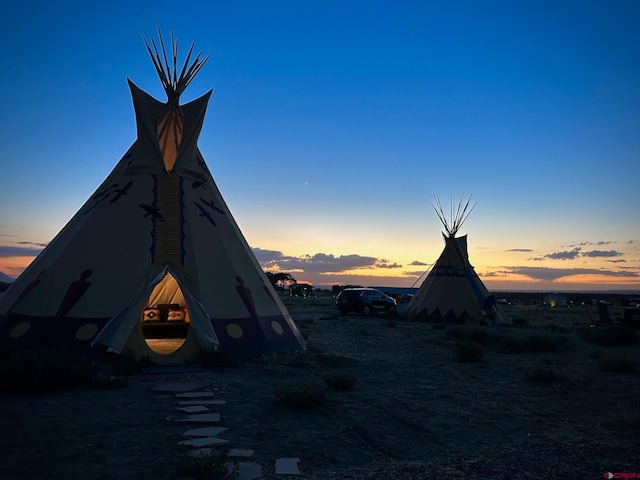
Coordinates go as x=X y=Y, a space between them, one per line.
x=576 y=253
x=602 y=253
x=13 y=251
x=552 y=274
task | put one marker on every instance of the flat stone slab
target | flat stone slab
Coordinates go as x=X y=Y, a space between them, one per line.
x=177 y=387
x=246 y=470
x=203 y=442
x=193 y=409
x=240 y=452
x=287 y=466
x=195 y=394
x=201 y=417
x=201 y=402
x=204 y=432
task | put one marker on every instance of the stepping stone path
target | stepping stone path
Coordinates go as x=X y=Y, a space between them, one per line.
x=287 y=466
x=201 y=402
x=195 y=395
x=203 y=442
x=193 y=409
x=177 y=387
x=197 y=418
x=205 y=439
x=204 y=432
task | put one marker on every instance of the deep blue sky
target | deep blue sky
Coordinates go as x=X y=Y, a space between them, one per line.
x=333 y=124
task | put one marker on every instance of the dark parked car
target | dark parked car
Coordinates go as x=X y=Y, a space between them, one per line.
x=364 y=301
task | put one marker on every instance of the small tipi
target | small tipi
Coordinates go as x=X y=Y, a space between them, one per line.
x=153 y=253
x=452 y=291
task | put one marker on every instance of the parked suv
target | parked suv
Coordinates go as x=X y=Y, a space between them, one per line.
x=364 y=301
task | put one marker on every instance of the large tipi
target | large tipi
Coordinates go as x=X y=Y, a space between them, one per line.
x=153 y=253
x=452 y=290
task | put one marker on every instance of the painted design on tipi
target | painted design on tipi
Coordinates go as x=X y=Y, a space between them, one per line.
x=245 y=295
x=153 y=212
x=75 y=291
x=207 y=210
x=29 y=288
x=452 y=291
x=106 y=194
x=159 y=212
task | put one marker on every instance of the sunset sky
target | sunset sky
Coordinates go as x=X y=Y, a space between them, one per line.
x=333 y=125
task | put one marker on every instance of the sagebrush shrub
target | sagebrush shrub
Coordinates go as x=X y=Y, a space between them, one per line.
x=301 y=395
x=126 y=363
x=217 y=358
x=513 y=342
x=204 y=467
x=519 y=321
x=530 y=341
x=34 y=371
x=619 y=362
x=612 y=336
x=545 y=374
x=467 y=351
x=475 y=333
x=338 y=381
x=540 y=341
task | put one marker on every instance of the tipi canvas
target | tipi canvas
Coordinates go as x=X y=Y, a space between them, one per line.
x=452 y=291
x=154 y=251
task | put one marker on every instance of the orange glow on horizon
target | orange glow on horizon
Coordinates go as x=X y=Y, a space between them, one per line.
x=599 y=279
x=13 y=266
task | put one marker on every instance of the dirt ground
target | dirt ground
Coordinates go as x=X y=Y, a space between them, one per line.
x=414 y=412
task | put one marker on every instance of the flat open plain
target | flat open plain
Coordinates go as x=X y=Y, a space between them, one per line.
x=544 y=401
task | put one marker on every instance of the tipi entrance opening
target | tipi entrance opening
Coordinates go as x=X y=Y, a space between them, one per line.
x=165 y=320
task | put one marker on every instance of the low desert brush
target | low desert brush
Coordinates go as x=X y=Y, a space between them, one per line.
x=313 y=347
x=468 y=351
x=545 y=374
x=513 y=342
x=301 y=395
x=541 y=341
x=216 y=358
x=530 y=341
x=33 y=371
x=127 y=363
x=625 y=420
x=204 y=467
x=612 y=336
x=475 y=333
x=618 y=362
x=557 y=328
x=340 y=381
x=99 y=380
x=519 y=321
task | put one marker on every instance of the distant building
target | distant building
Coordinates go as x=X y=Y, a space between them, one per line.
x=300 y=290
x=555 y=300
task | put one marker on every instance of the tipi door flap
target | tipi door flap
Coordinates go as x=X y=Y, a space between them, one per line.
x=200 y=320
x=117 y=332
